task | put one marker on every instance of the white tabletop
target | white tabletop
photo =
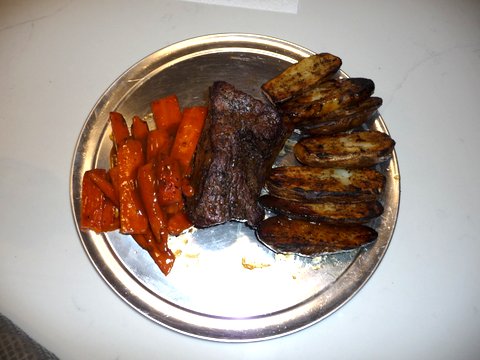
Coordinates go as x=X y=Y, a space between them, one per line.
x=57 y=57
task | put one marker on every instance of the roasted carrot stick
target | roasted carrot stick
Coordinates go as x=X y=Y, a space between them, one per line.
x=159 y=142
x=133 y=219
x=91 y=205
x=159 y=251
x=166 y=113
x=178 y=223
x=164 y=258
x=169 y=181
x=100 y=178
x=139 y=131
x=146 y=179
x=188 y=134
x=113 y=173
x=119 y=128
x=110 y=216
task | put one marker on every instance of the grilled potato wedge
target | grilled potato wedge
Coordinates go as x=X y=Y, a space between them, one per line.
x=326 y=97
x=342 y=119
x=329 y=212
x=301 y=76
x=345 y=150
x=321 y=185
x=285 y=235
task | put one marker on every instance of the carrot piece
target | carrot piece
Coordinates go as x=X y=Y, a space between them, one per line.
x=159 y=251
x=100 y=179
x=164 y=258
x=166 y=113
x=178 y=223
x=139 y=128
x=110 y=216
x=188 y=134
x=113 y=174
x=139 y=131
x=169 y=181
x=119 y=128
x=187 y=188
x=133 y=219
x=146 y=179
x=91 y=205
x=113 y=156
x=158 y=142
x=172 y=209
x=141 y=240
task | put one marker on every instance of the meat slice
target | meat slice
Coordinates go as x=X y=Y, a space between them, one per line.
x=239 y=143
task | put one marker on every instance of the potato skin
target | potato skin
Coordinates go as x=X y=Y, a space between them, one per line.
x=301 y=76
x=285 y=235
x=346 y=150
x=304 y=183
x=326 y=97
x=328 y=212
x=342 y=119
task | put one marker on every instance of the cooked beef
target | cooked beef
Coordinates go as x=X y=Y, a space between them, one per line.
x=239 y=143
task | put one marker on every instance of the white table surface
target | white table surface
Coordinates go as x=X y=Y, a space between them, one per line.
x=57 y=58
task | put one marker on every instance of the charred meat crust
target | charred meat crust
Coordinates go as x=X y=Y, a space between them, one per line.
x=285 y=235
x=240 y=140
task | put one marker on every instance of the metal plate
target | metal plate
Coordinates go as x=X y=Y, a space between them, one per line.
x=225 y=285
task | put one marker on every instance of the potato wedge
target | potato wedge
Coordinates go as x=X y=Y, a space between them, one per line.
x=346 y=150
x=301 y=76
x=320 y=185
x=326 y=97
x=329 y=212
x=285 y=235
x=342 y=119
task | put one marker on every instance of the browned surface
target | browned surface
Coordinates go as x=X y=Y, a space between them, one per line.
x=238 y=145
x=348 y=150
x=301 y=76
x=302 y=237
x=317 y=184
x=342 y=119
x=328 y=96
x=331 y=212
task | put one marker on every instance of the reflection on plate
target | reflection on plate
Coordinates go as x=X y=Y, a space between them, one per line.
x=225 y=285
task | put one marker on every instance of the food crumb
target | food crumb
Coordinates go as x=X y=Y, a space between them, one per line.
x=251 y=266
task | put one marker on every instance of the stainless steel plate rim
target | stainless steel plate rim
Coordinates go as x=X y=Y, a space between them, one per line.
x=154 y=305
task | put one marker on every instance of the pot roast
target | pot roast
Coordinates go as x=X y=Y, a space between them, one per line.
x=239 y=143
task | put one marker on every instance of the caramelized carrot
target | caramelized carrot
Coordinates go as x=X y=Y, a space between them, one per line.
x=169 y=181
x=158 y=250
x=178 y=223
x=100 y=178
x=166 y=113
x=140 y=131
x=120 y=130
x=147 y=185
x=159 y=142
x=91 y=211
x=141 y=240
x=113 y=174
x=133 y=219
x=142 y=192
x=188 y=134
x=110 y=216
x=187 y=188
